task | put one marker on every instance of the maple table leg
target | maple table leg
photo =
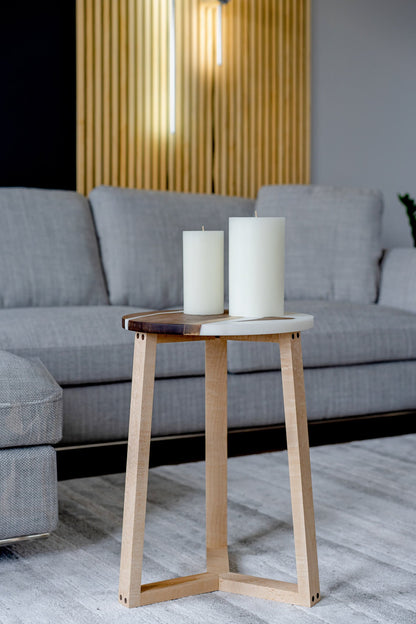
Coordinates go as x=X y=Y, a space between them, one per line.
x=216 y=454
x=299 y=468
x=141 y=408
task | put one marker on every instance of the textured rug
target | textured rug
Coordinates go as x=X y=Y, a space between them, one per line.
x=365 y=495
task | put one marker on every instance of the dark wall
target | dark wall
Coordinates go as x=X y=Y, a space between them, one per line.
x=37 y=93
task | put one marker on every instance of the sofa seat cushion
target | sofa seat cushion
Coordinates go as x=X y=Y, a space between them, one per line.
x=86 y=344
x=343 y=334
x=49 y=250
x=30 y=403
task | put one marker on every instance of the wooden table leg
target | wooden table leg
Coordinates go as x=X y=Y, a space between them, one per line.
x=141 y=408
x=306 y=590
x=216 y=454
x=299 y=468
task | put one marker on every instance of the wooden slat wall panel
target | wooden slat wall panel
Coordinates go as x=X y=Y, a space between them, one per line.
x=238 y=126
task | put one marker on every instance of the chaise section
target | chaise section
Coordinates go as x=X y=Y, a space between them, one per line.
x=30 y=403
x=30 y=422
x=28 y=492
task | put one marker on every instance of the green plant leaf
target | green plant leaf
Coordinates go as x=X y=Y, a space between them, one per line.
x=410 y=205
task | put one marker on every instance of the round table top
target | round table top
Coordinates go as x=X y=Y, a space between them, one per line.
x=176 y=322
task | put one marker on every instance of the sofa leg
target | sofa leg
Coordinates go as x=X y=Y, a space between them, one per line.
x=23 y=538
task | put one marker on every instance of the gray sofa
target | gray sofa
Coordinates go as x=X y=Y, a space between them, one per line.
x=71 y=267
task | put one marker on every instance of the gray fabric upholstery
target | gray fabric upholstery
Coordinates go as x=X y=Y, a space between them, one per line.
x=30 y=403
x=140 y=234
x=398 y=279
x=86 y=344
x=82 y=344
x=48 y=250
x=343 y=333
x=332 y=240
x=331 y=392
x=101 y=413
x=28 y=491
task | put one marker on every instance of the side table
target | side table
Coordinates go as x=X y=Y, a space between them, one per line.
x=174 y=326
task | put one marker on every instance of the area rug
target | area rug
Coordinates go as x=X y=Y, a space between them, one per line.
x=365 y=507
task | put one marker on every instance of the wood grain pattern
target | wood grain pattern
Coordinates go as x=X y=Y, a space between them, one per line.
x=299 y=468
x=137 y=469
x=267 y=589
x=178 y=588
x=216 y=454
x=176 y=322
x=238 y=126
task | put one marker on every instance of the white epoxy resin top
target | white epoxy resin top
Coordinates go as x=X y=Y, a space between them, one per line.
x=242 y=326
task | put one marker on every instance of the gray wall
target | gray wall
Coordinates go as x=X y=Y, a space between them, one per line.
x=364 y=101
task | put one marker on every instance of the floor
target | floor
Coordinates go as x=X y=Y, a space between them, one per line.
x=365 y=506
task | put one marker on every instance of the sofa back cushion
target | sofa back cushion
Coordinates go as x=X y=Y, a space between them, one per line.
x=48 y=250
x=398 y=279
x=140 y=234
x=333 y=244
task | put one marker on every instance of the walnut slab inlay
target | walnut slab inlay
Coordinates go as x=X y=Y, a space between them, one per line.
x=177 y=323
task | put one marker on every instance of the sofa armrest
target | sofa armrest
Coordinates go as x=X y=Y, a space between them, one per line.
x=398 y=279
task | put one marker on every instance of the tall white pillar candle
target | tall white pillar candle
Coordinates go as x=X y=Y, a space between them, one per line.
x=256 y=266
x=203 y=272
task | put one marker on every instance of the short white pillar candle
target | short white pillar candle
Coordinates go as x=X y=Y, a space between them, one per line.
x=203 y=272
x=256 y=266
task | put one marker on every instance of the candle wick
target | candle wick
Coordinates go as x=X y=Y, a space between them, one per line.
x=255 y=214
x=203 y=228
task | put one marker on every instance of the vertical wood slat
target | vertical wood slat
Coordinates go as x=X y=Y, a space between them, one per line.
x=229 y=93
x=306 y=56
x=89 y=93
x=106 y=78
x=206 y=151
x=98 y=87
x=80 y=78
x=123 y=91
x=253 y=109
x=139 y=94
x=131 y=91
x=155 y=91
x=280 y=105
x=244 y=130
x=114 y=95
x=202 y=100
x=164 y=95
x=238 y=126
x=146 y=82
x=179 y=93
x=194 y=70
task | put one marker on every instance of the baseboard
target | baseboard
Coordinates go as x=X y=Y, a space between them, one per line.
x=99 y=459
